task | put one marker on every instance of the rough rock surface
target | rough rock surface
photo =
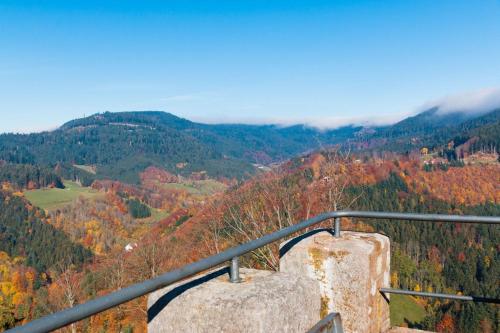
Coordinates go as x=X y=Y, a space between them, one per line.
x=350 y=270
x=263 y=302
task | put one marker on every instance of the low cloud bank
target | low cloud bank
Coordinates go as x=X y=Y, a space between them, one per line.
x=319 y=122
x=473 y=102
x=477 y=102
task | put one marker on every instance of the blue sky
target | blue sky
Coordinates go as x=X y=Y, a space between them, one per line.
x=321 y=62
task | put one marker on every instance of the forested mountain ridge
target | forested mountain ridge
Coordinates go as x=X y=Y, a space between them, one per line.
x=426 y=122
x=253 y=143
x=120 y=145
x=433 y=128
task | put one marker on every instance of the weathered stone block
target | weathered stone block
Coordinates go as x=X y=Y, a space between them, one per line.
x=350 y=271
x=263 y=302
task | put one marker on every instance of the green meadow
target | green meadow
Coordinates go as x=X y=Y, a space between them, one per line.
x=53 y=198
x=198 y=187
x=405 y=309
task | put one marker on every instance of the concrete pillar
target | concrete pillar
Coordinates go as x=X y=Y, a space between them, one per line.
x=263 y=302
x=350 y=271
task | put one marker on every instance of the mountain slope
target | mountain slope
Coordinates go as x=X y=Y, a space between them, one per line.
x=23 y=233
x=249 y=142
x=486 y=129
x=121 y=145
x=432 y=128
x=425 y=123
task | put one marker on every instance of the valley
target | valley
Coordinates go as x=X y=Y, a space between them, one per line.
x=164 y=191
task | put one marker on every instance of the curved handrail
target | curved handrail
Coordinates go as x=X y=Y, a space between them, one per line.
x=331 y=324
x=100 y=304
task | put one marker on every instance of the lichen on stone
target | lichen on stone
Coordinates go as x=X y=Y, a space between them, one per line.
x=338 y=255
x=323 y=312
x=317 y=257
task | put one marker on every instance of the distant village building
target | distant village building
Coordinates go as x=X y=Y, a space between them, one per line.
x=130 y=247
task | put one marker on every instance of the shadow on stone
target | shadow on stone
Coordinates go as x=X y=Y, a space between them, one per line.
x=292 y=242
x=385 y=297
x=163 y=301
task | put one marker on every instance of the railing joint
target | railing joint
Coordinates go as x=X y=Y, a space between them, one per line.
x=234 y=273
x=336 y=229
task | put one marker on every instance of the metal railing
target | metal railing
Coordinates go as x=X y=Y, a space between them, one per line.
x=100 y=304
x=330 y=324
x=440 y=295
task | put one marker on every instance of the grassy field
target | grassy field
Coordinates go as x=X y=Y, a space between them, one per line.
x=146 y=223
x=405 y=308
x=198 y=187
x=53 y=198
x=157 y=215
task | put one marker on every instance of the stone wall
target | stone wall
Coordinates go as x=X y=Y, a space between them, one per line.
x=264 y=302
x=319 y=274
x=350 y=271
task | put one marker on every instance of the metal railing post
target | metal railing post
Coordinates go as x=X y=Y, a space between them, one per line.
x=234 y=274
x=336 y=229
x=330 y=324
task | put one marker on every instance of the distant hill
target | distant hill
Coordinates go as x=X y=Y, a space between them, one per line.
x=425 y=123
x=433 y=128
x=120 y=145
x=486 y=129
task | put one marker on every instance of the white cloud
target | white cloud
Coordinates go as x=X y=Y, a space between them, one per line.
x=478 y=101
x=28 y=130
x=320 y=122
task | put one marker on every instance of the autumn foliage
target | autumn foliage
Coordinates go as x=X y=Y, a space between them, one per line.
x=201 y=225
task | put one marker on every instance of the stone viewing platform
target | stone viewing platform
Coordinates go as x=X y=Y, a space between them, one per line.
x=263 y=301
x=350 y=270
x=319 y=274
